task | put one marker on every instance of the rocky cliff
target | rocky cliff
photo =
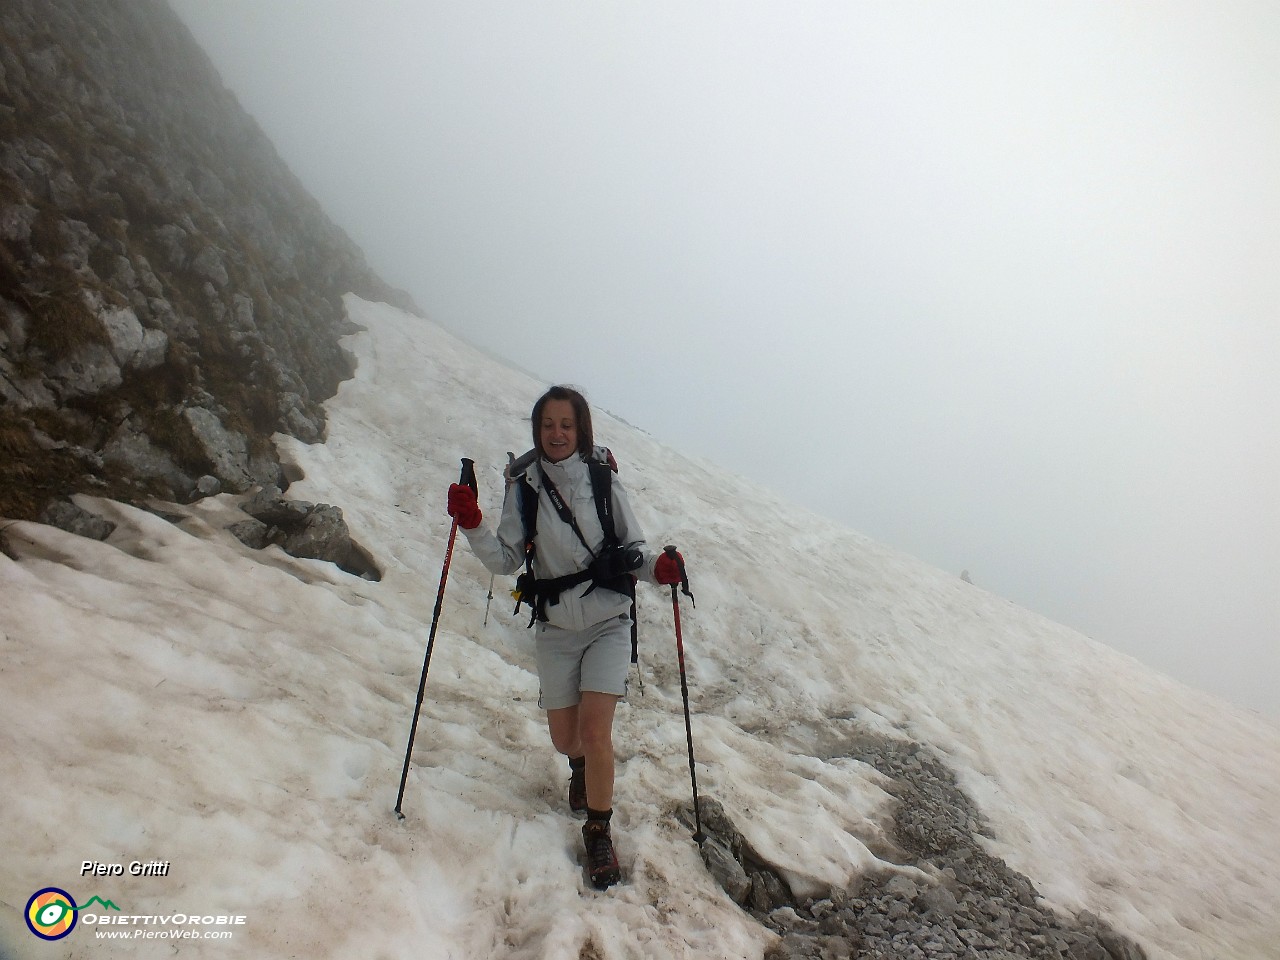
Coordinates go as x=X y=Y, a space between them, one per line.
x=170 y=295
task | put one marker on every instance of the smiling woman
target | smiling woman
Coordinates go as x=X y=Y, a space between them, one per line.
x=579 y=579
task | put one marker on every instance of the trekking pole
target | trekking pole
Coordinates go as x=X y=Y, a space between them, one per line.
x=635 y=642
x=506 y=488
x=468 y=477
x=698 y=835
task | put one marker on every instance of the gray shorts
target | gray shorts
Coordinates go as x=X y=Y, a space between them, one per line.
x=596 y=659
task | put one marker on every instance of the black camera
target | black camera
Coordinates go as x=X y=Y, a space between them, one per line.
x=615 y=562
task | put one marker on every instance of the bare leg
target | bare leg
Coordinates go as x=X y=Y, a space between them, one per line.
x=563 y=724
x=587 y=730
x=595 y=734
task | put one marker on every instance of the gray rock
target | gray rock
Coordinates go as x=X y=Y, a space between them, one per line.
x=14 y=323
x=1120 y=947
x=726 y=869
x=820 y=909
x=302 y=529
x=266 y=470
x=62 y=190
x=785 y=918
x=242 y=311
x=78 y=240
x=208 y=265
x=227 y=450
x=271 y=508
x=123 y=277
x=130 y=451
x=768 y=892
x=124 y=332
x=24 y=393
x=1087 y=950
x=45 y=62
x=799 y=946
x=298 y=420
x=172 y=239
x=939 y=902
x=252 y=533
x=902 y=887
x=147 y=278
x=361 y=563
x=322 y=536
x=178 y=326
x=15 y=222
x=152 y=351
x=73 y=518
x=716 y=822
x=90 y=369
x=976 y=939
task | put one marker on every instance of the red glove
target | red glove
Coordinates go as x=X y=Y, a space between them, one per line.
x=669 y=569
x=464 y=507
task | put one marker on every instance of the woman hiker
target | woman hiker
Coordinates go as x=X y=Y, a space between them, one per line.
x=580 y=584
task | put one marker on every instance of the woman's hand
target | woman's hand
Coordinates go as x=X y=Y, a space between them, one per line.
x=464 y=507
x=669 y=570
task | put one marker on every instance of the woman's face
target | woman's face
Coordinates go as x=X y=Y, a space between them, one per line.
x=558 y=431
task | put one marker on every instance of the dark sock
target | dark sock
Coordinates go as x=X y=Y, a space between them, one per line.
x=604 y=815
x=577 y=763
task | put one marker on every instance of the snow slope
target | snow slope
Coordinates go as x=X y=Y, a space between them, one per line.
x=172 y=695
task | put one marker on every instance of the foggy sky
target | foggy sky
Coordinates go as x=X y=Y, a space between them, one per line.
x=998 y=284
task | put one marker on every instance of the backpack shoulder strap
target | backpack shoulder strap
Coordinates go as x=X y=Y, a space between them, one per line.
x=602 y=470
x=527 y=501
x=602 y=490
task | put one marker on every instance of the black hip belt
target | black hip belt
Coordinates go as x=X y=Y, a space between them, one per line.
x=540 y=594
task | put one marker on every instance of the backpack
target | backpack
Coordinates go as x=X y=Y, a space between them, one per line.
x=610 y=569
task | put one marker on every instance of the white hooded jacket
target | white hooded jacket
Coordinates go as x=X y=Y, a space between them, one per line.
x=559 y=552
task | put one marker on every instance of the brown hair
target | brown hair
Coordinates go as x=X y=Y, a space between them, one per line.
x=581 y=412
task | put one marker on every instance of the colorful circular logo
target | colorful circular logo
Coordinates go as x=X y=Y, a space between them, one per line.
x=51 y=913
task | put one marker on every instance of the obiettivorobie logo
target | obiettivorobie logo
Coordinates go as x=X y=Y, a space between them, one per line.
x=52 y=913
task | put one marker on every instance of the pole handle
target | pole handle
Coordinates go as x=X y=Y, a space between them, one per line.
x=674 y=554
x=468 y=476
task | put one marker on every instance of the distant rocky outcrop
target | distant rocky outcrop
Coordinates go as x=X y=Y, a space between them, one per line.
x=170 y=295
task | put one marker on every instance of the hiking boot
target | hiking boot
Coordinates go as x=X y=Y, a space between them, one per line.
x=578 y=785
x=602 y=861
